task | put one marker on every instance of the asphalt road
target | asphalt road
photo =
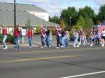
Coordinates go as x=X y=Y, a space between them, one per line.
x=82 y=62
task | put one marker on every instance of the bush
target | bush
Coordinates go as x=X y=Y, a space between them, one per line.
x=71 y=35
x=0 y=38
x=10 y=38
x=38 y=30
x=52 y=31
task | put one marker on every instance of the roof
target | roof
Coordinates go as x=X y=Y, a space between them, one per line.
x=7 y=18
x=21 y=7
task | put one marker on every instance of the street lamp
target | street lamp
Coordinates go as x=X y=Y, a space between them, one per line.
x=14 y=13
x=70 y=22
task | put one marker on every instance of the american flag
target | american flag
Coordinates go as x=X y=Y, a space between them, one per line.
x=100 y=28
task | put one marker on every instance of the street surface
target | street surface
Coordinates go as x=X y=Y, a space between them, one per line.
x=82 y=62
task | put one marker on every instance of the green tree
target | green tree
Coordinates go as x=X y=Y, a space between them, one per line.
x=55 y=19
x=38 y=29
x=67 y=13
x=80 y=23
x=28 y=23
x=62 y=23
x=86 y=11
x=88 y=23
x=102 y=13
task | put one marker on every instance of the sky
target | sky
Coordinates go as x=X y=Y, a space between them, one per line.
x=54 y=7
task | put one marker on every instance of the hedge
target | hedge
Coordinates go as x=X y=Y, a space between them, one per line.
x=10 y=38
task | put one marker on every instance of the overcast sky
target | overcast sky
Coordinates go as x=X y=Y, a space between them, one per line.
x=54 y=7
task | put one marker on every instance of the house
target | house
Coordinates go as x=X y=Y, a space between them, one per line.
x=24 y=12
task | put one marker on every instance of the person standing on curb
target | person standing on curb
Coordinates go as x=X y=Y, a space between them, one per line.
x=30 y=35
x=4 y=36
x=16 y=36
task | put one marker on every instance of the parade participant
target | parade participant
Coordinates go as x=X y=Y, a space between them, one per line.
x=91 y=39
x=83 y=39
x=97 y=37
x=67 y=38
x=63 y=38
x=76 y=36
x=48 y=38
x=43 y=36
x=4 y=36
x=103 y=37
x=16 y=36
x=30 y=35
x=58 y=31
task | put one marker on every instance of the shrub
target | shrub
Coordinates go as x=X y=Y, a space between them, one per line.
x=38 y=30
x=10 y=38
x=71 y=35
x=52 y=31
x=0 y=38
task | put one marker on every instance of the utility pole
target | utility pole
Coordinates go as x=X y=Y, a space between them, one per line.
x=14 y=13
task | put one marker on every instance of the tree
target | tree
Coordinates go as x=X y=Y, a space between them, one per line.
x=38 y=29
x=67 y=13
x=62 y=23
x=86 y=11
x=55 y=19
x=102 y=13
x=80 y=23
x=88 y=23
x=28 y=23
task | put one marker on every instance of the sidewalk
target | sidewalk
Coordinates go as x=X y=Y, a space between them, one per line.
x=34 y=44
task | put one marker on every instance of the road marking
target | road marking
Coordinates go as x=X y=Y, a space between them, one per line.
x=34 y=59
x=57 y=50
x=81 y=75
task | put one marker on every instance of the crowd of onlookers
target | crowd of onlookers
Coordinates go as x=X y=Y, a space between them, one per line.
x=96 y=37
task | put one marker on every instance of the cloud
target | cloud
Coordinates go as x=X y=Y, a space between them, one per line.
x=55 y=6
x=100 y=2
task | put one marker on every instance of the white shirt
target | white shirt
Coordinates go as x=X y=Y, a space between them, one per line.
x=103 y=33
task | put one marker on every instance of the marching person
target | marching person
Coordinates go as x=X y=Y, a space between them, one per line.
x=63 y=38
x=48 y=38
x=43 y=36
x=58 y=32
x=67 y=38
x=30 y=35
x=16 y=35
x=4 y=36
x=83 y=40
x=91 y=39
x=103 y=37
x=76 y=36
